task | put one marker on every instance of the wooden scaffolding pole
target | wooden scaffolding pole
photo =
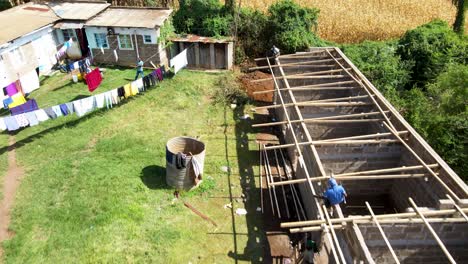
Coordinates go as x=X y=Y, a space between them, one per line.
x=270 y=177
x=297 y=75
x=269 y=66
x=332 y=143
x=434 y=234
x=338 y=99
x=457 y=207
x=377 y=135
x=422 y=162
x=298 y=89
x=383 y=221
x=353 y=178
x=293 y=56
x=285 y=200
x=369 y=218
x=374 y=219
x=306 y=132
x=397 y=169
x=261 y=176
x=335 y=238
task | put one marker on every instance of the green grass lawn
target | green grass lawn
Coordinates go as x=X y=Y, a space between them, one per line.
x=94 y=189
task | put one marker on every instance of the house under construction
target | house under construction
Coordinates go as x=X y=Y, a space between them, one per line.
x=404 y=205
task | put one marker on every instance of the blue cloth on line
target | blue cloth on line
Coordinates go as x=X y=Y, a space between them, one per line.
x=335 y=193
x=63 y=108
x=6 y=102
x=29 y=106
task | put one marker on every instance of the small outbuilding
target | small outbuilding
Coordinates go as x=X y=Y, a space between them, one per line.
x=120 y=35
x=204 y=52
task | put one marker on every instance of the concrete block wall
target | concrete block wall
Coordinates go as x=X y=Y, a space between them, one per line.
x=413 y=243
x=420 y=190
x=129 y=57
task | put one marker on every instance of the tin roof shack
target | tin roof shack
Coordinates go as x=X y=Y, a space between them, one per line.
x=74 y=15
x=120 y=35
x=26 y=41
x=204 y=52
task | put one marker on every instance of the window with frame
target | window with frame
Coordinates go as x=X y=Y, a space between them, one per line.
x=68 y=34
x=125 y=42
x=101 y=40
x=147 y=39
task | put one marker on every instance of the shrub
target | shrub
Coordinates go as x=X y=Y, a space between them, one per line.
x=430 y=48
x=251 y=36
x=290 y=26
x=217 y=26
x=193 y=16
x=379 y=63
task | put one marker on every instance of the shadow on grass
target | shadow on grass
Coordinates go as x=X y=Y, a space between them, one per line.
x=254 y=250
x=154 y=177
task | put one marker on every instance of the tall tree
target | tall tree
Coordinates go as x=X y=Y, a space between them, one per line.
x=459 y=24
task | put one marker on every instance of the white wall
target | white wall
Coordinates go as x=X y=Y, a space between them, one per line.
x=90 y=31
x=22 y=55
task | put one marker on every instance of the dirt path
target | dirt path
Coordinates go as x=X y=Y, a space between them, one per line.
x=10 y=184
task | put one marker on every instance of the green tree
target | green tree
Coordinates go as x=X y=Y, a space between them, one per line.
x=459 y=24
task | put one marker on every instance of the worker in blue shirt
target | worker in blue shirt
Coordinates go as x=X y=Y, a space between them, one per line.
x=139 y=68
x=335 y=194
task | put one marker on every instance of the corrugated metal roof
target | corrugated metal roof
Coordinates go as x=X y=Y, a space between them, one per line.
x=130 y=17
x=21 y=20
x=78 y=10
x=199 y=39
x=69 y=25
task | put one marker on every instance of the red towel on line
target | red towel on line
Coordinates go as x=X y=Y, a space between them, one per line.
x=93 y=79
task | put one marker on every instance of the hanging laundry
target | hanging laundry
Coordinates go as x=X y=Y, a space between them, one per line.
x=11 y=123
x=32 y=118
x=179 y=61
x=128 y=90
x=29 y=82
x=100 y=100
x=50 y=113
x=153 y=78
x=93 y=79
x=11 y=89
x=115 y=97
x=2 y=124
x=21 y=120
x=139 y=84
x=121 y=92
x=84 y=106
x=108 y=99
x=7 y=102
x=29 y=106
x=41 y=115
x=18 y=99
x=64 y=109
x=146 y=82
x=158 y=74
x=70 y=107
x=57 y=110
x=134 y=88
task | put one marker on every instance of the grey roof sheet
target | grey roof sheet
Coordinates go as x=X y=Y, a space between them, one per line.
x=78 y=10
x=130 y=17
x=21 y=20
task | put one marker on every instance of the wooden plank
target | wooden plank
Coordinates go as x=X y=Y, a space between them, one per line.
x=199 y=213
x=434 y=234
x=377 y=135
x=397 y=169
x=457 y=207
x=333 y=143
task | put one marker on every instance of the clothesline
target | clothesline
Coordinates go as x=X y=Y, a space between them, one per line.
x=83 y=106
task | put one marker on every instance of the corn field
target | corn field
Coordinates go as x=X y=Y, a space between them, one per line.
x=351 y=21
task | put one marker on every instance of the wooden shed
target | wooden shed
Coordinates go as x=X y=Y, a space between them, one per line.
x=204 y=52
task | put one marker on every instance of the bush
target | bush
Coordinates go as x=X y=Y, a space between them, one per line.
x=379 y=63
x=201 y=17
x=251 y=34
x=290 y=26
x=430 y=48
